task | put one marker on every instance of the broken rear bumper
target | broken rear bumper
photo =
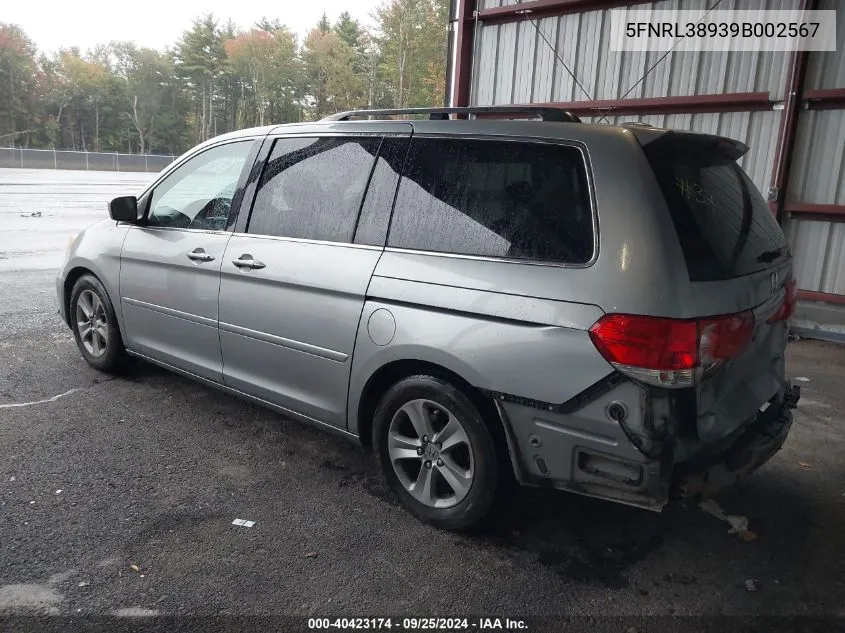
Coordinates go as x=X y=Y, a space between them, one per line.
x=753 y=448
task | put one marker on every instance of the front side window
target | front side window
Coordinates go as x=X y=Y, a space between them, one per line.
x=495 y=199
x=312 y=188
x=198 y=194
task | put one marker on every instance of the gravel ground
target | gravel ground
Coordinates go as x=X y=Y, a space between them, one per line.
x=120 y=495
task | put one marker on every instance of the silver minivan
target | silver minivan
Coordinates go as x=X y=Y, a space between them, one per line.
x=479 y=295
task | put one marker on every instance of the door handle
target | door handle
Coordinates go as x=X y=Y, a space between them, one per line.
x=199 y=255
x=246 y=261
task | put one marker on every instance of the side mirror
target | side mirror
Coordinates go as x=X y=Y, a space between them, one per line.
x=124 y=209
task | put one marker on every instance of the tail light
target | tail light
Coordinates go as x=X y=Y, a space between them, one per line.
x=670 y=352
x=790 y=298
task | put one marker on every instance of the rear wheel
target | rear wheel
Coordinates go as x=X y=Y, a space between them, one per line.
x=94 y=325
x=437 y=452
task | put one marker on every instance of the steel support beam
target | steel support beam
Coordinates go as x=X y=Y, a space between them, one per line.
x=825 y=99
x=732 y=102
x=547 y=8
x=821 y=212
x=827 y=297
x=789 y=124
x=462 y=59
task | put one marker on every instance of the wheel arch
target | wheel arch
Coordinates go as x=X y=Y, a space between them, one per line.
x=390 y=373
x=79 y=266
x=72 y=276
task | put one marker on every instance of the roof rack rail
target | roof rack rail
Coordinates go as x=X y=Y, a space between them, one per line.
x=442 y=114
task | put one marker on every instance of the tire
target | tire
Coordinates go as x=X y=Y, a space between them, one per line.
x=100 y=346
x=453 y=483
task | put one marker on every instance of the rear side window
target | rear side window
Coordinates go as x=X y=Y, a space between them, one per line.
x=723 y=224
x=496 y=199
x=312 y=188
x=375 y=212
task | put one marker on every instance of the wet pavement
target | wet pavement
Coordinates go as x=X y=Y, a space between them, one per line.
x=120 y=493
x=41 y=208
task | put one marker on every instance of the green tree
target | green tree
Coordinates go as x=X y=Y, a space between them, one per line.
x=267 y=71
x=412 y=50
x=88 y=88
x=227 y=93
x=270 y=25
x=435 y=53
x=119 y=96
x=323 y=25
x=153 y=108
x=350 y=31
x=200 y=60
x=149 y=87
x=330 y=75
x=19 y=85
x=57 y=90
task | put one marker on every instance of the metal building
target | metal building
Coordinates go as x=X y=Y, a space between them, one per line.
x=788 y=107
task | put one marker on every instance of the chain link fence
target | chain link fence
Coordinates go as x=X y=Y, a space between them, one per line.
x=90 y=161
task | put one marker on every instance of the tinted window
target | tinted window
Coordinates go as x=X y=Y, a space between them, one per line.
x=494 y=198
x=375 y=213
x=723 y=224
x=198 y=194
x=312 y=188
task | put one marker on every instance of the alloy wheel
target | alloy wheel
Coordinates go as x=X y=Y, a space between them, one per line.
x=431 y=453
x=92 y=323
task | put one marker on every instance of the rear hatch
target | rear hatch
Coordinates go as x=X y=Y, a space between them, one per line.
x=739 y=265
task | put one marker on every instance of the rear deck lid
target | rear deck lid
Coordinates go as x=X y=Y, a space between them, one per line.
x=724 y=226
x=738 y=262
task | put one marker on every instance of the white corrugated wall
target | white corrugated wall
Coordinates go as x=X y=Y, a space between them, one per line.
x=818 y=174
x=514 y=63
x=521 y=63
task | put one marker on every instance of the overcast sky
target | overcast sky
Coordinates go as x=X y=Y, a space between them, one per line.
x=159 y=23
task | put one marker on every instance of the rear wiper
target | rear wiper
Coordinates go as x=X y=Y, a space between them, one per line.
x=770 y=256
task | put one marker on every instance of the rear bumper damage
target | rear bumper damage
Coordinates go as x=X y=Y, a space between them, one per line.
x=588 y=451
x=754 y=447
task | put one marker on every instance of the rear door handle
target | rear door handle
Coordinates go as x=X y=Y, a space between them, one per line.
x=199 y=255
x=246 y=261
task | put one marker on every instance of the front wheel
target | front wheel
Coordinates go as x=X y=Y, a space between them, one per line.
x=437 y=452
x=94 y=325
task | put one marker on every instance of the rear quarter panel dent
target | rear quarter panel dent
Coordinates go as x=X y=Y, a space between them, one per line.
x=540 y=362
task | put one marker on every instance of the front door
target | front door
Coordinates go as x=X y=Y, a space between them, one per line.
x=293 y=286
x=170 y=265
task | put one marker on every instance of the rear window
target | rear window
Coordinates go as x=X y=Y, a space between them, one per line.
x=494 y=199
x=724 y=226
